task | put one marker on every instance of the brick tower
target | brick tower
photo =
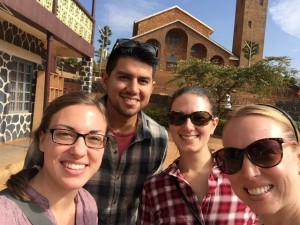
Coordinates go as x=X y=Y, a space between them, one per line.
x=250 y=25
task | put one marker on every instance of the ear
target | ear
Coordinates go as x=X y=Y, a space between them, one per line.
x=153 y=85
x=104 y=80
x=214 y=125
x=298 y=157
x=42 y=142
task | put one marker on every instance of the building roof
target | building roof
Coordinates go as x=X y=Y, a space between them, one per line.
x=179 y=21
x=176 y=7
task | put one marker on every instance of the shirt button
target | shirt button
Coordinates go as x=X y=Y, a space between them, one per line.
x=115 y=152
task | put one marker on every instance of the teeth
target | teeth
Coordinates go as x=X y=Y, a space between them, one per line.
x=189 y=137
x=74 y=166
x=260 y=190
x=130 y=100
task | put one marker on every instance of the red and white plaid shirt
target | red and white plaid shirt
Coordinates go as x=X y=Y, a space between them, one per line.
x=162 y=204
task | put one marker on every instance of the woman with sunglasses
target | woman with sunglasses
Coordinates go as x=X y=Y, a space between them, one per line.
x=192 y=190
x=69 y=145
x=261 y=156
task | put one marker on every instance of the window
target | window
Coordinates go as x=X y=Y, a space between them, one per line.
x=261 y=2
x=198 y=51
x=250 y=24
x=20 y=78
x=173 y=38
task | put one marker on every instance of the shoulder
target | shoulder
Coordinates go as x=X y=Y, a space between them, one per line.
x=153 y=125
x=158 y=180
x=11 y=213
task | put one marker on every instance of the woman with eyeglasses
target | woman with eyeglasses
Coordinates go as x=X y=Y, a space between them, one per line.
x=261 y=156
x=192 y=190
x=70 y=144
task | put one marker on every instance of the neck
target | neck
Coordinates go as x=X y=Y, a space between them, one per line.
x=198 y=162
x=55 y=194
x=290 y=217
x=119 y=122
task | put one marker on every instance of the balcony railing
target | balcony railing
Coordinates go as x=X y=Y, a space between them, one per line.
x=72 y=14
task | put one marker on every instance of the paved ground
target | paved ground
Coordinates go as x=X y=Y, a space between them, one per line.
x=12 y=156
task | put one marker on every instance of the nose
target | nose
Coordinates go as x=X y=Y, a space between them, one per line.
x=188 y=124
x=133 y=86
x=79 y=148
x=248 y=169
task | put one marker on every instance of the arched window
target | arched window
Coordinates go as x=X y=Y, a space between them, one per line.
x=217 y=60
x=198 y=51
x=173 y=38
x=261 y=2
x=250 y=24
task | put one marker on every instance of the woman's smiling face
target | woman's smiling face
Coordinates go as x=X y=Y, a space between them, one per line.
x=71 y=166
x=266 y=190
x=189 y=137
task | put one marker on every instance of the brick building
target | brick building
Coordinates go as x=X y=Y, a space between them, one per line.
x=179 y=35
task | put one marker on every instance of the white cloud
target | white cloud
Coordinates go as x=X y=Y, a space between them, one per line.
x=286 y=13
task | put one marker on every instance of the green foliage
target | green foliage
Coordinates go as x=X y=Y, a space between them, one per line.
x=220 y=127
x=71 y=61
x=104 y=42
x=266 y=76
x=158 y=114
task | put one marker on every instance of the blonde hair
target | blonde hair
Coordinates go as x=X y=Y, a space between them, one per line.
x=288 y=125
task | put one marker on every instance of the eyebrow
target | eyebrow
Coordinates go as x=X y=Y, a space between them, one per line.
x=120 y=72
x=72 y=129
x=96 y=131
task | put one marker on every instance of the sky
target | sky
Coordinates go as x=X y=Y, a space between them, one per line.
x=282 y=37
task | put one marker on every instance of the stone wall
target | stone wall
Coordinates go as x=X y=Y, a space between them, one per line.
x=16 y=125
x=86 y=75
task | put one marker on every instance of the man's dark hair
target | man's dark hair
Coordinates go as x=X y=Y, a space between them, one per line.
x=136 y=52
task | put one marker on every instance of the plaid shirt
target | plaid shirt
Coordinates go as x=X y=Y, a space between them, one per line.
x=118 y=183
x=161 y=202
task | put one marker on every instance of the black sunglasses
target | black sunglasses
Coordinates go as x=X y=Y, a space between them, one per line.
x=265 y=153
x=198 y=118
x=128 y=45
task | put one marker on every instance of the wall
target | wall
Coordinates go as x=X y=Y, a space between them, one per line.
x=16 y=42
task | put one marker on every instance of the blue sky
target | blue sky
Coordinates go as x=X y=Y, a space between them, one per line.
x=282 y=36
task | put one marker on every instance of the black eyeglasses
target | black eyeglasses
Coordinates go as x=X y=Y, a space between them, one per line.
x=129 y=44
x=265 y=153
x=198 y=118
x=68 y=137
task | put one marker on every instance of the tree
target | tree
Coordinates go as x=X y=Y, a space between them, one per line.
x=263 y=77
x=104 y=42
x=72 y=62
x=250 y=49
